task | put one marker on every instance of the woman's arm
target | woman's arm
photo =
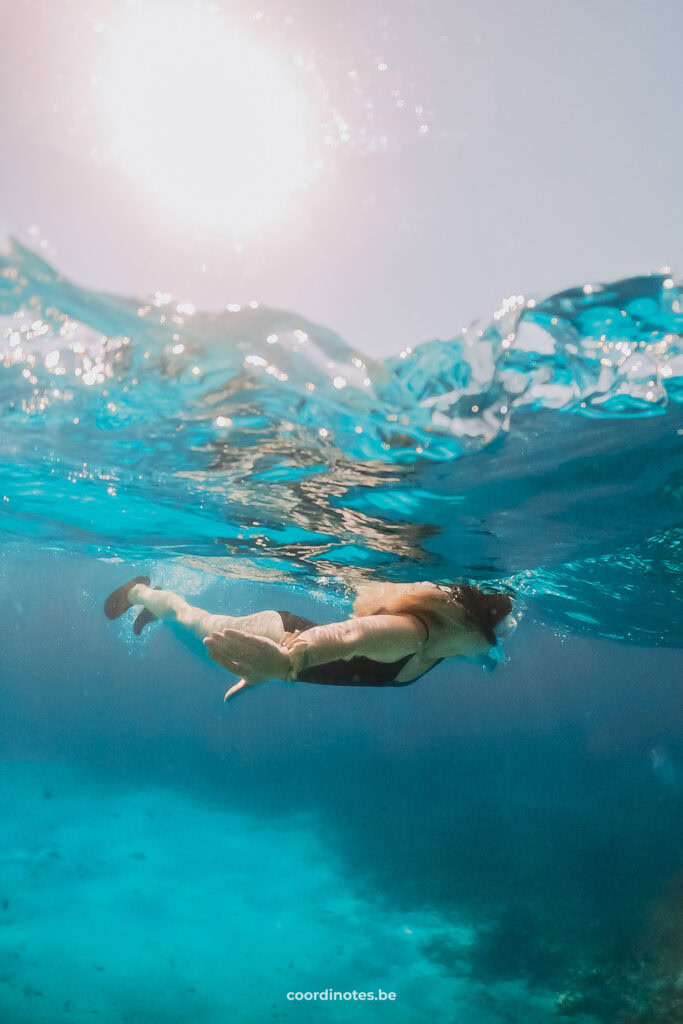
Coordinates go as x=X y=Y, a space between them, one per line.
x=383 y=638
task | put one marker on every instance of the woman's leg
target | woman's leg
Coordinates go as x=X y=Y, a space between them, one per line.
x=164 y=604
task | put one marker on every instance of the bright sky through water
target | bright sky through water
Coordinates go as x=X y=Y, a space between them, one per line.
x=388 y=170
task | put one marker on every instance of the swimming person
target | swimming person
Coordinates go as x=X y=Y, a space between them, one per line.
x=398 y=631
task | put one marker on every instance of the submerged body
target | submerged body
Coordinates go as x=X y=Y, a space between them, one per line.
x=397 y=633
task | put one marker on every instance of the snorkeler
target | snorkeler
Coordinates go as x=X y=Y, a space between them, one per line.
x=398 y=631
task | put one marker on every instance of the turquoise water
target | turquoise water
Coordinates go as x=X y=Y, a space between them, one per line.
x=489 y=845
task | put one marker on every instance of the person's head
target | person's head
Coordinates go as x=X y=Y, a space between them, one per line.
x=483 y=610
x=466 y=613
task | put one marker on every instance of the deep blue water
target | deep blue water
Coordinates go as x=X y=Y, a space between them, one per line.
x=495 y=843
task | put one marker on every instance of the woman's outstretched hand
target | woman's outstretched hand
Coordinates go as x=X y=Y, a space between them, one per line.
x=254 y=658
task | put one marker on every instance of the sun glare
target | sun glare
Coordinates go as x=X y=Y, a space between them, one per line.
x=204 y=119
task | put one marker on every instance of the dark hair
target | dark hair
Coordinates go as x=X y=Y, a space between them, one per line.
x=482 y=610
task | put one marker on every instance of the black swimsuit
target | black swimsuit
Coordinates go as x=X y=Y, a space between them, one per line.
x=358 y=671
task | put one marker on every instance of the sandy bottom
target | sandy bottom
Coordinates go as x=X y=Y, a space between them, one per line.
x=120 y=905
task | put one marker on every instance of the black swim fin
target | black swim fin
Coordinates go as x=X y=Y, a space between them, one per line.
x=144 y=618
x=117 y=603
